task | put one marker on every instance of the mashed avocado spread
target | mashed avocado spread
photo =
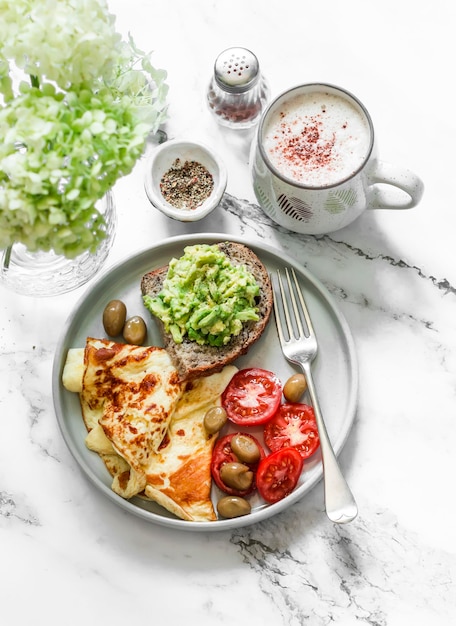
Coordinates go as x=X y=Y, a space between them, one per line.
x=205 y=297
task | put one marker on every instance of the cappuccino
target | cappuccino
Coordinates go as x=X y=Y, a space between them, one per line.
x=316 y=139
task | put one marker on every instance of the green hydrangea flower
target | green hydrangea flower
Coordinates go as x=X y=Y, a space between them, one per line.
x=78 y=124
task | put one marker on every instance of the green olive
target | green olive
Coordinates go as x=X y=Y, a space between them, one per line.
x=114 y=315
x=295 y=387
x=233 y=506
x=215 y=419
x=245 y=448
x=135 y=331
x=236 y=475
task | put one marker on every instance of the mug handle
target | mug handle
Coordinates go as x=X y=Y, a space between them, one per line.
x=408 y=188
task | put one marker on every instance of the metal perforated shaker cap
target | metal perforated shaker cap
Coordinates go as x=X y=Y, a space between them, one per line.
x=236 y=70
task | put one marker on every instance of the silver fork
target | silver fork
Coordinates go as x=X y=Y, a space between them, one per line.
x=300 y=346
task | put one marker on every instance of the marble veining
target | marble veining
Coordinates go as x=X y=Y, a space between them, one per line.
x=68 y=554
x=365 y=581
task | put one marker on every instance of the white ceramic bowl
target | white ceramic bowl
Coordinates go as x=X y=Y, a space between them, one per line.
x=160 y=161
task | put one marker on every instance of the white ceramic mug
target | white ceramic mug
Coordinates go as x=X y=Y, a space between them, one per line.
x=314 y=164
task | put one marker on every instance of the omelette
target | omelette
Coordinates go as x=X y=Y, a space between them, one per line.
x=146 y=425
x=179 y=476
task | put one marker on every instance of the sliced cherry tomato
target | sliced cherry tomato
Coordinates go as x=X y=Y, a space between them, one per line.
x=223 y=453
x=293 y=425
x=278 y=474
x=252 y=396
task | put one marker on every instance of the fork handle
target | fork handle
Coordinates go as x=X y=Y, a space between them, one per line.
x=339 y=501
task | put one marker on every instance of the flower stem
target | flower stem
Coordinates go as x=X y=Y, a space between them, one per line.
x=7 y=257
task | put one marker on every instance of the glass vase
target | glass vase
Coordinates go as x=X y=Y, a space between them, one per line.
x=42 y=274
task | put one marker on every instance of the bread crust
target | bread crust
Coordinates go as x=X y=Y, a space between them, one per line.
x=192 y=360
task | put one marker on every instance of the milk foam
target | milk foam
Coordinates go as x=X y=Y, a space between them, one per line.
x=316 y=139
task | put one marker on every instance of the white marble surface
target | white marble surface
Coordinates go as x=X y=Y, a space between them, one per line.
x=68 y=555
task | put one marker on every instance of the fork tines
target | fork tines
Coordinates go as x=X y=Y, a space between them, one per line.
x=299 y=324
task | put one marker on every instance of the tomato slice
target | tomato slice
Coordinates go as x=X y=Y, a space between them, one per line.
x=252 y=396
x=223 y=453
x=293 y=425
x=278 y=474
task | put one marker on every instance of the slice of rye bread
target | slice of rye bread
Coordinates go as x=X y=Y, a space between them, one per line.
x=192 y=360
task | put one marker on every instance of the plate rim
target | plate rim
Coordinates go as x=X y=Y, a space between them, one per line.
x=266 y=511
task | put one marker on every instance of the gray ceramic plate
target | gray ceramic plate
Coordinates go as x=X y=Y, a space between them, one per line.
x=335 y=370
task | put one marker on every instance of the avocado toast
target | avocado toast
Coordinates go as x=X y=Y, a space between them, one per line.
x=193 y=359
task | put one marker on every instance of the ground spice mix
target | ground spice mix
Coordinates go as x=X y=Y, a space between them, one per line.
x=187 y=184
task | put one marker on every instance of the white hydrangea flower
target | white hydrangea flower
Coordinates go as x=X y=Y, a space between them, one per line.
x=66 y=41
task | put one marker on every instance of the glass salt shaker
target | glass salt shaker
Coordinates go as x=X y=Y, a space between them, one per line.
x=237 y=91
